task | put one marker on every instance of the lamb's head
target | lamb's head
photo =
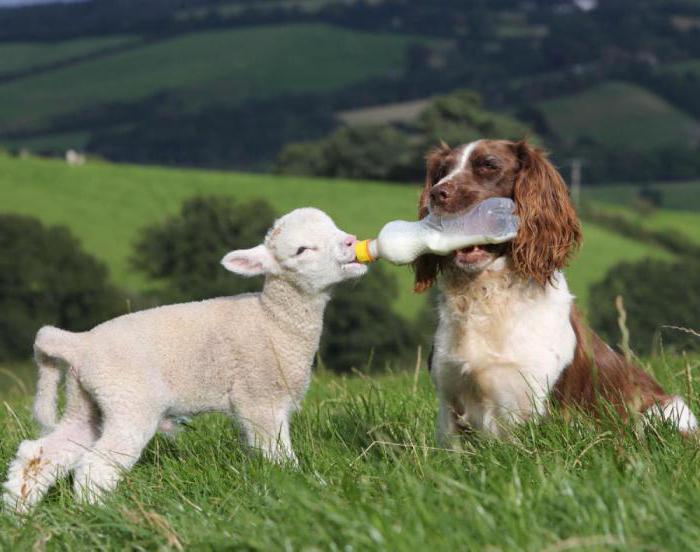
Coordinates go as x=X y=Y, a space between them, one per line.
x=304 y=247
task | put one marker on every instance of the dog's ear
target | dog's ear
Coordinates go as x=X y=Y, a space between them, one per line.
x=426 y=267
x=549 y=230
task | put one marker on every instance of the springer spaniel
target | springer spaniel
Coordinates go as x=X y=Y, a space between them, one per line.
x=509 y=336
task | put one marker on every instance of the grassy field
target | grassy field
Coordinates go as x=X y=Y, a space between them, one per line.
x=20 y=56
x=683 y=196
x=106 y=206
x=260 y=62
x=686 y=223
x=371 y=477
x=618 y=114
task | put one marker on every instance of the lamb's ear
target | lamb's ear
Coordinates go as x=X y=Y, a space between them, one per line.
x=250 y=262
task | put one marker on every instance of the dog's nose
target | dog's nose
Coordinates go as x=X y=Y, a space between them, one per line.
x=439 y=194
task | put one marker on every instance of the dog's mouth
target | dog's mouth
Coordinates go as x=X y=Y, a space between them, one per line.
x=477 y=254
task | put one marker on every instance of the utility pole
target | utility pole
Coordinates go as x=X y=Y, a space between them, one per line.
x=576 y=181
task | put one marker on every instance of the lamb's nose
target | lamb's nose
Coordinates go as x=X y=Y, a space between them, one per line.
x=350 y=240
x=439 y=194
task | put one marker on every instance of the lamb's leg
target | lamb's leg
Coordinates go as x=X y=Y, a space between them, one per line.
x=126 y=432
x=267 y=430
x=39 y=463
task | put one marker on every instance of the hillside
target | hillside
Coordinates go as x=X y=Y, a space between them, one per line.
x=26 y=56
x=620 y=115
x=250 y=62
x=677 y=196
x=685 y=223
x=106 y=205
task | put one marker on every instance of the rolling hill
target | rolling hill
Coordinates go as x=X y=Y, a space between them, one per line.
x=25 y=56
x=214 y=67
x=677 y=196
x=106 y=205
x=619 y=115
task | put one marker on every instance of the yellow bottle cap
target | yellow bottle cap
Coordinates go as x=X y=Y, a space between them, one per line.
x=362 y=253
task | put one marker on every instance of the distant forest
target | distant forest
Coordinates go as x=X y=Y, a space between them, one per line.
x=515 y=54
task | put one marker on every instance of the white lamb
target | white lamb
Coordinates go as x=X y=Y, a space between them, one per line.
x=249 y=355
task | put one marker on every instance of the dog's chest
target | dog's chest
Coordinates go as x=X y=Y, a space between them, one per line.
x=475 y=328
x=497 y=349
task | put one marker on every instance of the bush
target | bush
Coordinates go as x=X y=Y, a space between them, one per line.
x=655 y=294
x=185 y=250
x=46 y=278
x=361 y=329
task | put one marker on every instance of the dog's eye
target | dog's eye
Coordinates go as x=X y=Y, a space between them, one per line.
x=489 y=163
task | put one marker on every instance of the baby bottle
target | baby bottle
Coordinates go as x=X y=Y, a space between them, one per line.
x=401 y=242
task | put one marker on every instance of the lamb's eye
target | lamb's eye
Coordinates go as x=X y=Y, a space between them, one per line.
x=302 y=249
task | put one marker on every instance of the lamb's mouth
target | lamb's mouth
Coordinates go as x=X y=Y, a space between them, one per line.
x=352 y=265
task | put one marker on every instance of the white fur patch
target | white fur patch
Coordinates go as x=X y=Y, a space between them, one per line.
x=676 y=412
x=501 y=344
x=463 y=160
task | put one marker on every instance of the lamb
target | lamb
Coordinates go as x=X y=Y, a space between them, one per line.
x=249 y=355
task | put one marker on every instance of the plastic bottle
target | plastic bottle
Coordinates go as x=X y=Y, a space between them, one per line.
x=401 y=242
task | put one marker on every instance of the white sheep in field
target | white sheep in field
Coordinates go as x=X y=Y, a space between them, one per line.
x=248 y=355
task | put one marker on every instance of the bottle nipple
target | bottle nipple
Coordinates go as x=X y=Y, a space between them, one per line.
x=362 y=252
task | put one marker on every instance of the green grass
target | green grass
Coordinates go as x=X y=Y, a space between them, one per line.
x=371 y=477
x=684 y=196
x=20 y=56
x=106 y=205
x=620 y=115
x=600 y=251
x=251 y=62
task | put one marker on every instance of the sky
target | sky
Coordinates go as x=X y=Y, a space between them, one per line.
x=14 y=3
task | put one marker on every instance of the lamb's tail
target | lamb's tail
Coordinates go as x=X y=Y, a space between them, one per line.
x=53 y=349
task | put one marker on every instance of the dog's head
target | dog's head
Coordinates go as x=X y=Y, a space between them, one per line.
x=460 y=177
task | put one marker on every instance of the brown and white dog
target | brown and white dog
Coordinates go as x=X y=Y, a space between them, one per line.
x=509 y=337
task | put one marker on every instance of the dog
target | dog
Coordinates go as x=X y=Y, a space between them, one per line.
x=509 y=337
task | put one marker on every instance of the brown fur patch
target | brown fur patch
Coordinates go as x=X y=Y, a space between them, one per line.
x=598 y=375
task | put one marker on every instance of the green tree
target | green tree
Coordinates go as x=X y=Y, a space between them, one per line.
x=46 y=278
x=361 y=328
x=378 y=152
x=184 y=251
x=386 y=152
x=655 y=294
x=460 y=117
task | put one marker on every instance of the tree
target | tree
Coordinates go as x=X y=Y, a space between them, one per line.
x=386 y=152
x=46 y=278
x=460 y=117
x=361 y=327
x=184 y=251
x=378 y=152
x=655 y=294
